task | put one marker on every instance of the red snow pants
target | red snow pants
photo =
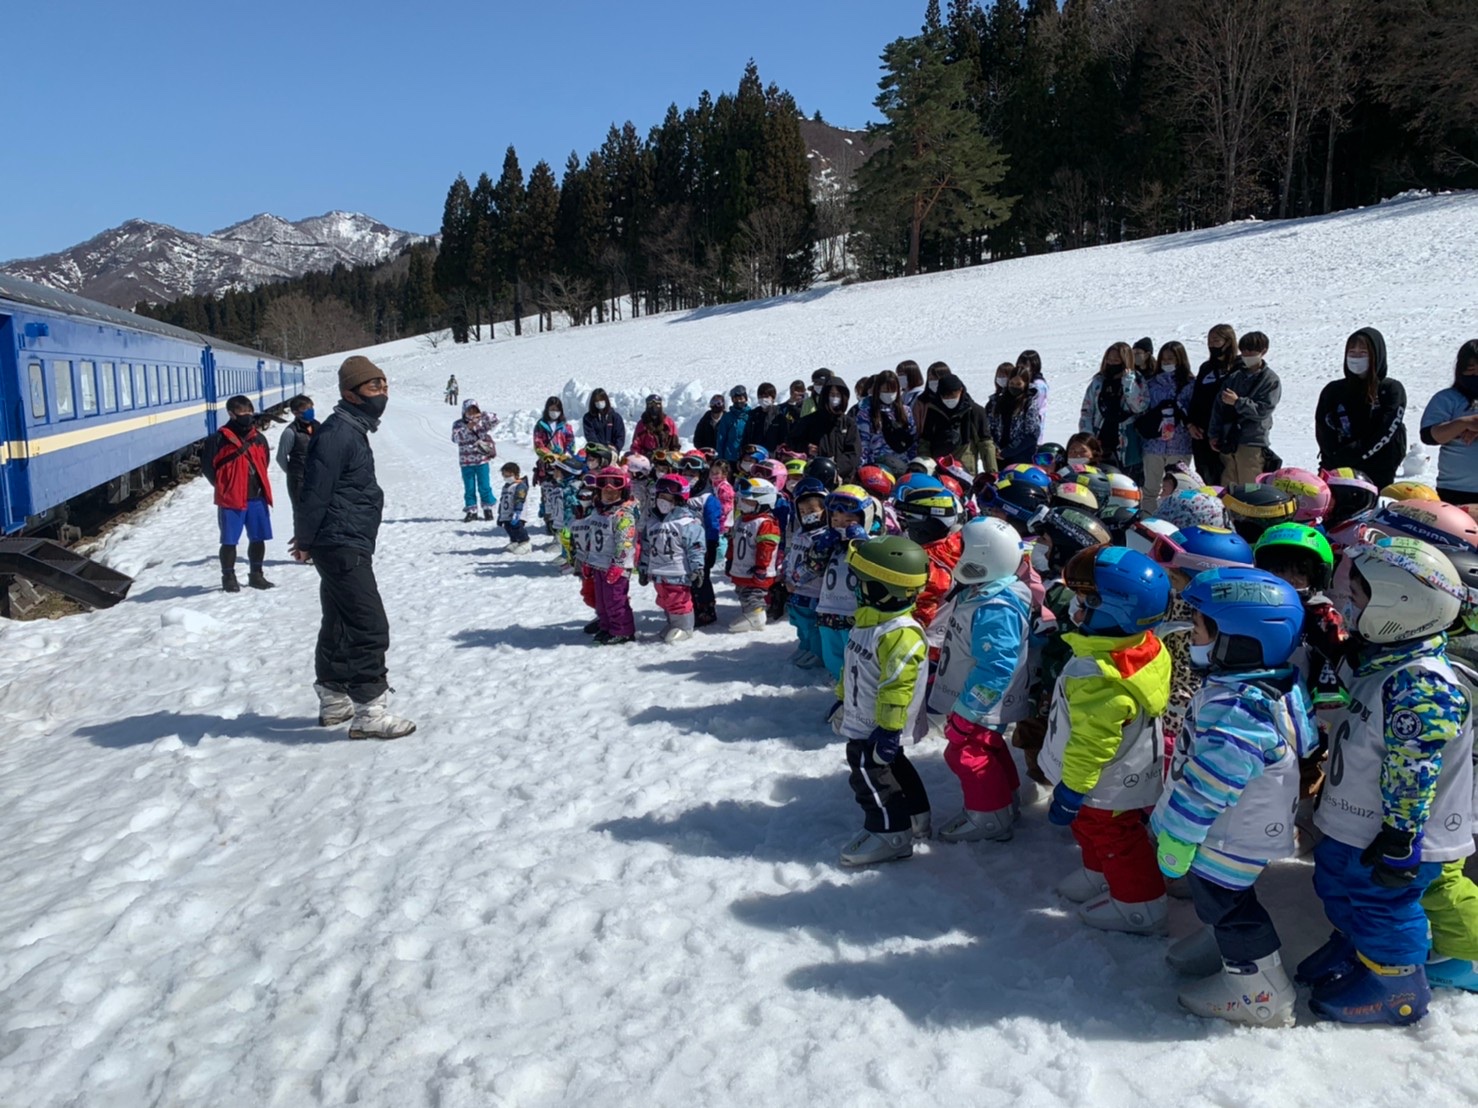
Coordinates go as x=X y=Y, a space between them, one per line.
x=1117 y=845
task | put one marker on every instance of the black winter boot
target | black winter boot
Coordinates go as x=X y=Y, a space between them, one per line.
x=228 y=569
x=257 y=579
x=469 y=515
x=487 y=514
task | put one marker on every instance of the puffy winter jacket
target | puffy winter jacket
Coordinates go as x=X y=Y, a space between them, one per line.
x=340 y=503
x=729 y=435
x=993 y=691
x=238 y=467
x=1248 y=422
x=1351 y=431
x=1167 y=403
x=705 y=435
x=960 y=431
x=551 y=441
x=474 y=437
x=766 y=427
x=673 y=547
x=605 y=427
x=944 y=555
x=833 y=435
x=880 y=434
x=1121 y=442
x=650 y=438
x=292 y=448
x=1016 y=426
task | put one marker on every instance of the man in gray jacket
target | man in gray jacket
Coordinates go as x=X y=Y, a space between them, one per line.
x=1242 y=417
x=335 y=524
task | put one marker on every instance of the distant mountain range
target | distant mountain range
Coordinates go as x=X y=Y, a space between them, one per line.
x=140 y=260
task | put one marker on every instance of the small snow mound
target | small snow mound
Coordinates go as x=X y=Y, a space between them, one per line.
x=1415 y=463
x=192 y=622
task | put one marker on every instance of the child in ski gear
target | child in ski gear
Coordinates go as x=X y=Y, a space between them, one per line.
x=851 y=516
x=718 y=482
x=561 y=501
x=881 y=693
x=981 y=683
x=802 y=579
x=613 y=556
x=237 y=471
x=930 y=516
x=577 y=538
x=1398 y=801
x=510 y=508
x=473 y=434
x=1103 y=747
x=708 y=509
x=672 y=551
x=1227 y=811
x=754 y=552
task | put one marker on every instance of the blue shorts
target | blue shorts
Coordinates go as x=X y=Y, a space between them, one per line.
x=255 y=519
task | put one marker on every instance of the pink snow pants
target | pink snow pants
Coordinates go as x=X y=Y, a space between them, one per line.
x=675 y=600
x=984 y=766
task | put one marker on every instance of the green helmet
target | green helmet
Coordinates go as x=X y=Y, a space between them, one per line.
x=891 y=571
x=1282 y=543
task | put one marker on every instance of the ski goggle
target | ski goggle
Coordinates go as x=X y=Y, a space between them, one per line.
x=1047 y=459
x=608 y=482
x=1165 y=551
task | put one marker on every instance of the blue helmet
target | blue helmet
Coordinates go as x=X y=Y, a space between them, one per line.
x=1259 y=618
x=756 y=453
x=1029 y=473
x=1125 y=592
x=808 y=486
x=1195 y=549
x=916 y=481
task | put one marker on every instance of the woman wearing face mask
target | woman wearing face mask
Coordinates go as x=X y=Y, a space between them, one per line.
x=655 y=430
x=603 y=424
x=885 y=427
x=1164 y=427
x=705 y=435
x=1451 y=422
x=829 y=432
x=1012 y=417
x=1221 y=342
x=936 y=373
x=554 y=440
x=1360 y=418
x=1030 y=362
x=1114 y=398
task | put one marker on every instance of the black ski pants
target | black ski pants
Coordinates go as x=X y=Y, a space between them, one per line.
x=354 y=635
x=889 y=795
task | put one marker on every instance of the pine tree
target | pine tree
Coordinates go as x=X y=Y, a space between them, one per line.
x=508 y=204
x=450 y=270
x=541 y=214
x=484 y=277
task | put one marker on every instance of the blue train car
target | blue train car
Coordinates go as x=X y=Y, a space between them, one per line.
x=97 y=401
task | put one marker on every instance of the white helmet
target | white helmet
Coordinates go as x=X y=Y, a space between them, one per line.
x=1415 y=590
x=1123 y=492
x=1141 y=533
x=638 y=465
x=757 y=489
x=990 y=550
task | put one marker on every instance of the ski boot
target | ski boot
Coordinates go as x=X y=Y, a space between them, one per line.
x=921 y=826
x=372 y=720
x=973 y=827
x=1373 y=993
x=1082 y=885
x=1257 y=993
x=1107 y=914
x=680 y=628
x=1452 y=973
x=1335 y=959
x=749 y=621
x=872 y=847
x=334 y=707
x=809 y=661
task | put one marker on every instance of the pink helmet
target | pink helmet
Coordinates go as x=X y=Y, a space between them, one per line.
x=609 y=477
x=670 y=484
x=1431 y=521
x=638 y=465
x=778 y=473
x=1309 y=489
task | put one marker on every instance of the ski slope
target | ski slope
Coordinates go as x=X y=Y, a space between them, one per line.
x=607 y=877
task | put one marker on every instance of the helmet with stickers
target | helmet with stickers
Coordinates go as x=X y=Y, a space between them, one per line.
x=1309 y=491
x=1252 y=509
x=1123 y=492
x=854 y=500
x=1069 y=530
x=876 y=480
x=1415 y=590
x=759 y=490
x=1408 y=490
x=1351 y=493
x=1074 y=494
x=670 y=484
x=890 y=571
x=1297 y=545
x=1192 y=508
x=1258 y=618
x=1431 y=521
x=1196 y=549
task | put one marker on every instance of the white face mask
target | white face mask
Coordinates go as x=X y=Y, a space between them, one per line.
x=767 y=402
x=748 y=507
x=1252 y=361
x=1039 y=558
x=1167 y=367
x=553 y=413
x=664 y=506
x=950 y=402
x=600 y=405
x=1358 y=364
x=887 y=397
x=934 y=385
x=1201 y=654
x=835 y=401
x=1077 y=611
x=810 y=519
x=1001 y=382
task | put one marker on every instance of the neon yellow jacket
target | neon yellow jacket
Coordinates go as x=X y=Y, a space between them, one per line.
x=902 y=654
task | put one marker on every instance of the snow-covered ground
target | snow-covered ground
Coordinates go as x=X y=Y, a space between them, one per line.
x=607 y=876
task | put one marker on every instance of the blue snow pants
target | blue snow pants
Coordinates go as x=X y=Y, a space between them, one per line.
x=1387 y=925
x=477 y=483
x=802 y=613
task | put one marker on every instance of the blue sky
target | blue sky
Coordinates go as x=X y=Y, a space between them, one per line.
x=200 y=115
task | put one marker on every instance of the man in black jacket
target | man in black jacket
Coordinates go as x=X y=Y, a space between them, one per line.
x=292 y=447
x=829 y=432
x=335 y=524
x=766 y=426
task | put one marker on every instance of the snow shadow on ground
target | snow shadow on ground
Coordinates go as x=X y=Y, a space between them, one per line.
x=547 y=637
x=746 y=719
x=791 y=829
x=172 y=592
x=190 y=729
x=711 y=667
x=697 y=315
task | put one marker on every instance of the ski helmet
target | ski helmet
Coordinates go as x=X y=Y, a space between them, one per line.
x=1465 y=561
x=1051 y=456
x=1350 y=533
x=795 y=468
x=928 y=512
x=666 y=459
x=1118 y=521
x=1123 y=492
x=693 y=462
x=754 y=455
x=808 y=486
x=1074 y=494
x=1183 y=477
x=1125 y=593
x=1431 y=521
x=1069 y=530
x=1195 y=549
x=1031 y=474
x=1252 y=509
x=890 y=571
x=989 y=550
x=609 y=477
x=1352 y=494
x=638 y=465
x=778 y=475
x=1414 y=588
x=922 y=465
x=1408 y=490
x=598 y=455
x=1097 y=480
x=950 y=482
x=853 y=499
x=1141 y=534
x=1258 y=618
x=824 y=470
x=1192 y=508
x=1020 y=502
x=572 y=465
x=670 y=484
x=949 y=465
x=876 y=480
x=1309 y=490
x=1299 y=544
x=759 y=490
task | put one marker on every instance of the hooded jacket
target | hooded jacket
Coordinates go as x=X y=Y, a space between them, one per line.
x=959 y=430
x=833 y=434
x=1352 y=431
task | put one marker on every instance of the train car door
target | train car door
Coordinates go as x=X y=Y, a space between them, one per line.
x=261 y=384
x=15 y=393
x=211 y=389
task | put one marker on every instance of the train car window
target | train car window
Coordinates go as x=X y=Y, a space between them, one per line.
x=179 y=384
x=87 y=387
x=61 y=388
x=38 y=391
x=140 y=386
x=125 y=385
x=153 y=384
x=165 y=396
x=110 y=388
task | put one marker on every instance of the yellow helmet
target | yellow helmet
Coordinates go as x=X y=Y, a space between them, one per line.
x=1409 y=490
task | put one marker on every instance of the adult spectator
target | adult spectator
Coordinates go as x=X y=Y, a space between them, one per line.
x=794 y=408
x=1144 y=355
x=655 y=430
x=237 y=470
x=911 y=376
x=705 y=435
x=1360 y=420
x=863 y=389
x=1164 y=428
x=829 y=432
x=936 y=373
x=292 y=447
x=335 y=527
x=1451 y=422
x=1221 y=346
x=1242 y=417
x=473 y=434
x=885 y=426
x=954 y=425
x=766 y=426
x=603 y=424
x=730 y=430
x=554 y=439
x=1011 y=415
x=819 y=381
x=1113 y=400
x=1031 y=361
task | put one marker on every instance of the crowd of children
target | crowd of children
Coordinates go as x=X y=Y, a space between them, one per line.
x=1249 y=672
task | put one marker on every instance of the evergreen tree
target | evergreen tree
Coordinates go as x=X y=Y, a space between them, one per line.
x=450 y=271
x=541 y=213
x=508 y=206
x=484 y=274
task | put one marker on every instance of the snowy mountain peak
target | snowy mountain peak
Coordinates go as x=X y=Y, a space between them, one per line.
x=143 y=260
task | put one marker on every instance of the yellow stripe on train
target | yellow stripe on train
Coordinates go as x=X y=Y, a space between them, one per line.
x=50 y=444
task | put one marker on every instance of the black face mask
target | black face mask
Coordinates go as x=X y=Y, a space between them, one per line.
x=241 y=424
x=1467 y=384
x=374 y=406
x=1113 y=370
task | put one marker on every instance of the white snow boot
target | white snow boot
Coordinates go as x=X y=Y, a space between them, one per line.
x=922 y=826
x=372 y=720
x=1257 y=993
x=520 y=547
x=1196 y=954
x=871 y=847
x=1082 y=885
x=334 y=707
x=679 y=627
x=1151 y=917
x=972 y=827
x=749 y=621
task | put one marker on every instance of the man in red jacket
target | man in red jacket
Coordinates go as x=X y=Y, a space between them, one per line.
x=235 y=462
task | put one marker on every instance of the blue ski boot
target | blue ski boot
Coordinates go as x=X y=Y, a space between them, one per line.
x=1452 y=973
x=1396 y=995
x=1334 y=959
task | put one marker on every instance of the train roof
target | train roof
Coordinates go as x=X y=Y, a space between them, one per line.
x=39 y=296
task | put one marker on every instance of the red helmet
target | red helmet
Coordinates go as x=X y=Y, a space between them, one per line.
x=877 y=481
x=952 y=483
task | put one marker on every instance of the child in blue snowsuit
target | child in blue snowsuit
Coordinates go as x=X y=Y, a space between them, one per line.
x=802 y=578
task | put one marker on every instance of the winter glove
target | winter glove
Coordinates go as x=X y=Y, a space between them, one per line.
x=1174 y=855
x=885 y=745
x=958 y=730
x=614 y=574
x=855 y=533
x=1393 y=857
x=694 y=580
x=825 y=543
x=586 y=573
x=836 y=715
x=643 y=579
x=1065 y=805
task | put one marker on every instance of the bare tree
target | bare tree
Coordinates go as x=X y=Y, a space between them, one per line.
x=765 y=241
x=570 y=296
x=303 y=328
